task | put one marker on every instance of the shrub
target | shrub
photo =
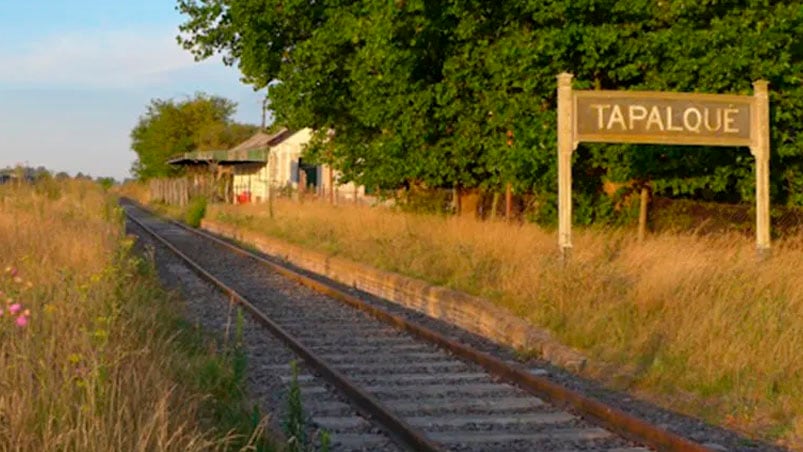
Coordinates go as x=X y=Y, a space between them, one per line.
x=195 y=211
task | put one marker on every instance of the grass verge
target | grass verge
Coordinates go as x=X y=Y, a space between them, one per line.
x=102 y=359
x=696 y=322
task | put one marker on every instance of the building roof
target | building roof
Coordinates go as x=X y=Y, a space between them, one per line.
x=190 y=158
x=252 y=150
x=261 y=140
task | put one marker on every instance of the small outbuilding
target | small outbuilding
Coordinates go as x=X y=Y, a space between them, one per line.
x=265 y=163
x=252 y=178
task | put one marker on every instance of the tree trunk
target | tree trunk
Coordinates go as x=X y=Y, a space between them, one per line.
x=494 y=205
x=642 y=215
x=508 y=202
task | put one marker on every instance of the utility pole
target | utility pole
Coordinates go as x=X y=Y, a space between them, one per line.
x=264 y=110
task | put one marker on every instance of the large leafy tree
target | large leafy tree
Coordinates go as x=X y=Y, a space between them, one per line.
x=461 y=93
x=172 y=127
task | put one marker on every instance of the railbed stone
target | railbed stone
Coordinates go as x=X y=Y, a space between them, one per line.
x=280 y=296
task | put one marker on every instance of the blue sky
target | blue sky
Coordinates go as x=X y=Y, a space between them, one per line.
x=76 y=74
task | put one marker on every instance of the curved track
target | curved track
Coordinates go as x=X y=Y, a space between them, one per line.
x=406 y=386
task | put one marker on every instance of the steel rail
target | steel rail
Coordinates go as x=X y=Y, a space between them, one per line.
x=396 y=427
x=607 y=416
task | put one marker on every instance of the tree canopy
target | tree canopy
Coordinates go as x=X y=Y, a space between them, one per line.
x=170 y=127
x=461 y=93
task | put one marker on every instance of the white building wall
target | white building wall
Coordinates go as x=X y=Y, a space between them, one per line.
x=287 y=154
x=281 y=171
x=251 y=178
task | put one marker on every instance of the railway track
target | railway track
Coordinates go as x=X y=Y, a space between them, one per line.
x=380 y=382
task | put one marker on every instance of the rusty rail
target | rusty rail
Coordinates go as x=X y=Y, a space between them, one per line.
x=367 y=404
x=607 y=416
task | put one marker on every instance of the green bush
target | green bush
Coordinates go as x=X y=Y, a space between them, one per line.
x=195 y=211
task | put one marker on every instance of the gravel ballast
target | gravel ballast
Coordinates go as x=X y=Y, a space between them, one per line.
x=454 y=402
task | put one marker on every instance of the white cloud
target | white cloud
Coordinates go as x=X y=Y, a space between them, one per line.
x=97 y=59
x=69 y=101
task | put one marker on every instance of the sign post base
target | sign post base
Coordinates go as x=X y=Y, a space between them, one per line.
x=565 y=254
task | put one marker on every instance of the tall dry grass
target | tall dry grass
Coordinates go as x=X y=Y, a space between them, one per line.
x=95 y=367
x=135 y=190
x=693 y=322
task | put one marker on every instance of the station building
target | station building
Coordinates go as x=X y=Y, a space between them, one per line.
x=266 y=163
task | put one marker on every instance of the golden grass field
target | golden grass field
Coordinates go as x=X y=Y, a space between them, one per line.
x=695 y=323
x=101 y=363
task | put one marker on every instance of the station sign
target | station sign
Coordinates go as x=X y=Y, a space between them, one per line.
x=663 y=118
x=651 y=117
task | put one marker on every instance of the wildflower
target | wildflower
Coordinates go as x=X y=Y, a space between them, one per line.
x=12 y=271
x=14 y=308
x=22 y=321
x=18 y=280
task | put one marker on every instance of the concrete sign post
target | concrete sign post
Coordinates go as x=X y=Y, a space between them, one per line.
x=662 y=118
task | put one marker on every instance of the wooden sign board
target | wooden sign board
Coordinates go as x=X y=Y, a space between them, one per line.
x=662 y=118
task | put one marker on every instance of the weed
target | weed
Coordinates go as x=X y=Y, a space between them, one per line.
x=196 y=210
x=239 y=356
x=325 y=441
x=294 y=423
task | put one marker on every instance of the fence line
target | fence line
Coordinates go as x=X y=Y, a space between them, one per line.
x=179 y=191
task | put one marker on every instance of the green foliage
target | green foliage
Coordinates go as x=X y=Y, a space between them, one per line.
x=196 y=211
x=462 y=94
x=294 y=422
x=326 y=441
x=169 y=128
x=106 y=182
x=239 y=357
x=427 y=201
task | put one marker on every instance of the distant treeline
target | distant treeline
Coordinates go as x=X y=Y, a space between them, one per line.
x=40 y=173
x=414 y=93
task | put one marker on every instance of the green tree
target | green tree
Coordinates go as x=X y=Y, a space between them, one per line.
x=170 y=127
x=106 y=182
x=430 y=93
